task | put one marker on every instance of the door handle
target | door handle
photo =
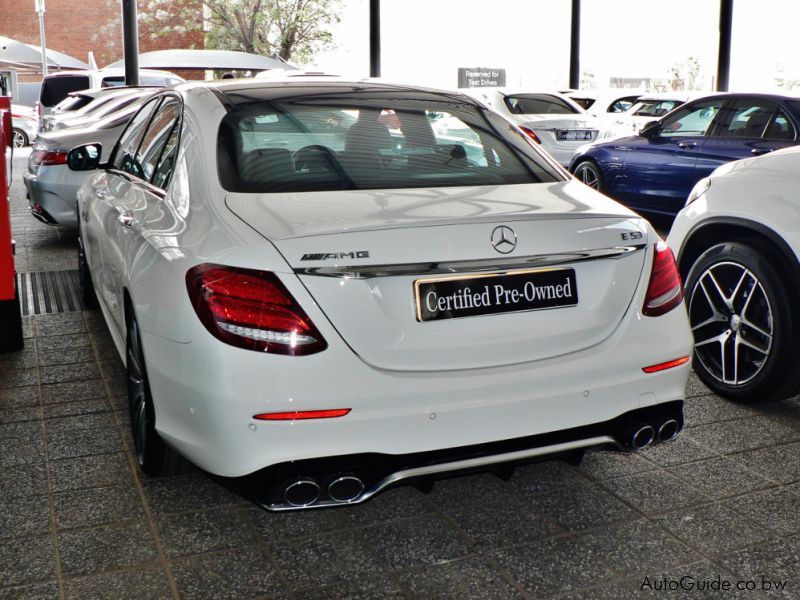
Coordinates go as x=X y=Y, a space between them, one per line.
x=760 y=151
x=126 y=219
x=687 y=145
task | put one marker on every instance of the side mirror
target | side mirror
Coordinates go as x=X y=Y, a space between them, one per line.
x=651 y=129
x=85 y=158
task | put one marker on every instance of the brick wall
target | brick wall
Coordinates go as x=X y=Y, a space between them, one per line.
x=76 y=27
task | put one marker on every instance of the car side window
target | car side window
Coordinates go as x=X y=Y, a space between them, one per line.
x=746 y=118
x=155 y=138
x=691 y=120
x=125 y=155
x=167 y=162
x=780 y=128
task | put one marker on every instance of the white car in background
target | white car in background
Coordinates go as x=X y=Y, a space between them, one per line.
x=738 y=248
x=605 y=103
x=649 y=107
x=551 y=119
x=23 y=125
x=330 y=305
x=51 y=186
x=98 y=108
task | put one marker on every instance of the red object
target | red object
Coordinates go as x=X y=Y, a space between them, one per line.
x=665 y=290
x=48 y=158
x=531 y=134
x=666 y=365
x=7 y=273
x=299 y=415
x=251 y=309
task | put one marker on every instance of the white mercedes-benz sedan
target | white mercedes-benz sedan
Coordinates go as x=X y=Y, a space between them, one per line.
x=738 y=246
x=327 y=305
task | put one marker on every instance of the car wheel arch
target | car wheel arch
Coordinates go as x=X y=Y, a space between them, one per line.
x=715 y=231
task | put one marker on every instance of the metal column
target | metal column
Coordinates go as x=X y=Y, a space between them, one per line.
x=575 y=47
x=724 y=56
x=374 y=38
x=130 y=36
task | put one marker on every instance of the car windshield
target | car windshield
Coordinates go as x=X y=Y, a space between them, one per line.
x=72 y=102
x=653 y=108
x=538 y=104
x=55 y=89
x=364 y=142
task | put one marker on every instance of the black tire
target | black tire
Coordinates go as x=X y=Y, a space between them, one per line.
x=19 y=138
x=88 y=296
x=589 y=173
x=155 y=458
x=745 y=324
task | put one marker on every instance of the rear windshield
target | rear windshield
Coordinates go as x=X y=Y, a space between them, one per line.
x=55 y=89
x=362 y=142
x=157 y=80
x=538 y=104
x=74 y=102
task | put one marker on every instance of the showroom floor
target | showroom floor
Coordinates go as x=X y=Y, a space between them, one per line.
x=717 y=507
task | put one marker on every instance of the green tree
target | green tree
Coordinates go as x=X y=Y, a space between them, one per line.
x=291 y=29
x=686 y=75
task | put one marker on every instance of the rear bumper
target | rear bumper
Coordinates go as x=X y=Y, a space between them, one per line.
x=376 y=472
x=52 y=202
x=206 y=394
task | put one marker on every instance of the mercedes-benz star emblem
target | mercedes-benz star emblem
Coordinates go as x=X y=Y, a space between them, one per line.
x=504 y=240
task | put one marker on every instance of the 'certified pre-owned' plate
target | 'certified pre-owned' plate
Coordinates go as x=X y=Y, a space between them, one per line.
x=454 y=297
x=572 y=135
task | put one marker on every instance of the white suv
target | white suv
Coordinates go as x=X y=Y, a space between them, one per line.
x=738 y=241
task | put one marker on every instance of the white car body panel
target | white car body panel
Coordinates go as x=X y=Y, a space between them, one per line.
x=207 y=392
x=546 y=125
x=763 y=190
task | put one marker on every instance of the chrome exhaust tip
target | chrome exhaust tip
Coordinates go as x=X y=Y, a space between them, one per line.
x=668 y=430
x=301 y=492
x=643 y=435
x=345 y=488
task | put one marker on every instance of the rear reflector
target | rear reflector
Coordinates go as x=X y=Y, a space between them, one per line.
x=531 y=134
x=666 y=365
x=665 y=290
x=251 y=309
x=298 y=415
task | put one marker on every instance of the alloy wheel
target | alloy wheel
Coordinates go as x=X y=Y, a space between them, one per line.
x=732 y=322
x=19 y=139
x=588 y=174
x=137 y=394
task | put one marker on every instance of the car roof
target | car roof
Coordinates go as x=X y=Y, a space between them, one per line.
x=239 y=91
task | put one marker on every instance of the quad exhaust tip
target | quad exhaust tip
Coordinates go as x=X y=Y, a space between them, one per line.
x=643 y=435
x=668 y=430
x=345 y=488
x=301 y=492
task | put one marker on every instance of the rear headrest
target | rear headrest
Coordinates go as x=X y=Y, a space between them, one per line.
x=266 y=164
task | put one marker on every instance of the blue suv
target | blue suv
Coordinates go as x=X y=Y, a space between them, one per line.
x=653 y=172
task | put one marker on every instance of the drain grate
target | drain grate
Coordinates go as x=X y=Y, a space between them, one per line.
x=49 y=292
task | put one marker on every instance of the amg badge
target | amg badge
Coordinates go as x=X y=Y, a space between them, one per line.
x=336 y=255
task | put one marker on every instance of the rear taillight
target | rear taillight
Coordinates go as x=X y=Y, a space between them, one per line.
x=48 y=157
x=665 y=290
x=531 y=134
x=251 y=309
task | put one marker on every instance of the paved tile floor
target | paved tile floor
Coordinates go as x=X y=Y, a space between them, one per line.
x=718 y=506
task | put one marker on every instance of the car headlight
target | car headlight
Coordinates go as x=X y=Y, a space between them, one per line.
x=700 y=188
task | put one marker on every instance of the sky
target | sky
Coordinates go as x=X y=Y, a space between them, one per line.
x=426 y=41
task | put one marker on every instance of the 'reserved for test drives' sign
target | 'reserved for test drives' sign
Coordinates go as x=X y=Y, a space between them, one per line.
x=481 y=77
